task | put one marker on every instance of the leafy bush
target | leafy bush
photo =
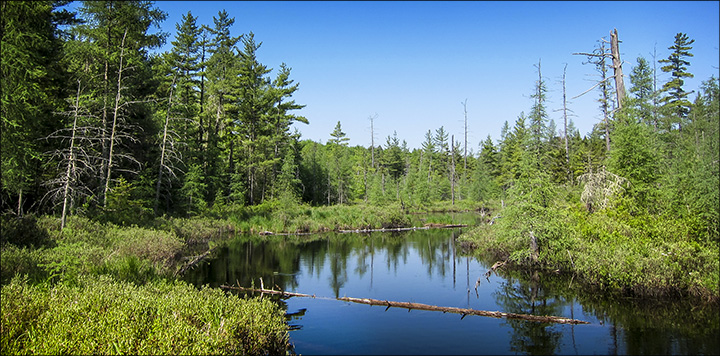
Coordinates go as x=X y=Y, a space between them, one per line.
x=102 y=316
x=21 y=261
x=22 y=231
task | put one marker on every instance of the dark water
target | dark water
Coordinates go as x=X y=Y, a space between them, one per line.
x=426 y=266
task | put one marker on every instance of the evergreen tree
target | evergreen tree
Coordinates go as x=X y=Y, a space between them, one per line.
x=220 y=74
x=394 y=161
x=339 y=180
x=32 y=86
x=675 y=101
x=642 y=89
x=538 y=115
x=251 y=123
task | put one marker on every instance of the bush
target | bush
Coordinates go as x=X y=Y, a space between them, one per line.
x=102 y=316
x=23 y=231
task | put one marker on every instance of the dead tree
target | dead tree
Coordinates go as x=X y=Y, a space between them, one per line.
x=163 y=146
x=118 y=127
x=617 y=67
x=566 y=112
x=113 y=131
x=372 y=139
x=464 y=104
x=77 y=159
x=598 y=58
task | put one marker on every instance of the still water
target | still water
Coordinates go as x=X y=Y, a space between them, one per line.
x=426 y=266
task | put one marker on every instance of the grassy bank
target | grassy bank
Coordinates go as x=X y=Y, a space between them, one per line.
x=98 y=288
x=609 y=250
x=100 y=315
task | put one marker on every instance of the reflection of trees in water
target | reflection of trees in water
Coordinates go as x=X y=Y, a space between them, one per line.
x=338 y=252
x=637 y=326
x=516 y=296
x=658 y=326
x=278 y=262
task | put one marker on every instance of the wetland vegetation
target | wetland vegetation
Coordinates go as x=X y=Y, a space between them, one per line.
x=106 y=197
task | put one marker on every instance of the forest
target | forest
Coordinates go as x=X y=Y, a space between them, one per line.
x=94 y=124
x=97 y=125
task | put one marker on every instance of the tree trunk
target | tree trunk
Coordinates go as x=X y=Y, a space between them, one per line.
x=115 y=117
x=71 y=162
x=617 y=66
x=164 y=142
x=392 y=304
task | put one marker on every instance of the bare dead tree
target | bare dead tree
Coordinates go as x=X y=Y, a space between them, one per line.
x=617 y=67
x=117 y=134
x=79 y=159
x=464 y=104
x=566 y=113
x=598 y=58
x=372 y=139
x=614 y=54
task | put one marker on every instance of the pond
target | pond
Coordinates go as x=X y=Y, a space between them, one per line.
x=426 y=266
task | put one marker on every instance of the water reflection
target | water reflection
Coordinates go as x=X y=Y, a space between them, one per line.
x=423 y=266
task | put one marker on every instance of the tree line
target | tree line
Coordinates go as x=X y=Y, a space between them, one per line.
x=95 y=121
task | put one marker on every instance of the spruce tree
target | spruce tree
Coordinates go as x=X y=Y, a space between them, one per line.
x=675 y=100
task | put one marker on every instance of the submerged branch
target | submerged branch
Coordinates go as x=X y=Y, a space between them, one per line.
x=391 y=304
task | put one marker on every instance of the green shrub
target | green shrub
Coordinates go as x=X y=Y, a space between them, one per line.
x=21 y=261
x=23 y=231
x=102 y=316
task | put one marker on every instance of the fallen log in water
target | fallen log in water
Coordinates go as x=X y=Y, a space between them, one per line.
x=194 y=262
x=391 y=304
x=396 y=229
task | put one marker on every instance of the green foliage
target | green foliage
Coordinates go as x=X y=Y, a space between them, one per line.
x=123 y=208
x=675 y=101
x=103 y=316
x=22 y=231
x=634 y=156
x=194 y=190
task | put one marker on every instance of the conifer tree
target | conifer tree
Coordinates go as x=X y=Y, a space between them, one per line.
x=675 y=101
x=32 y=77
x=642 y=89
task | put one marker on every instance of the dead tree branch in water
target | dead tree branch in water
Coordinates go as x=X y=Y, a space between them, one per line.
x=391 y=304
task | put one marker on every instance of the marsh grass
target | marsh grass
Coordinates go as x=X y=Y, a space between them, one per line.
x=100 y=315
x=98 y=288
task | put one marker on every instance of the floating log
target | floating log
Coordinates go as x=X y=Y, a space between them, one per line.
x=391 y=304
x=464 y=311
x=396 y=229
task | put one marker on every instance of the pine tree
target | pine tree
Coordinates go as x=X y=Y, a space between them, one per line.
x=220 y=74
x=338 y=165
x=642 y=89
x=675 y=101
x=394 y=161
x=31 y=87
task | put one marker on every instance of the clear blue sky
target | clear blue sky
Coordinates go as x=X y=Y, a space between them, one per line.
x=413 y=63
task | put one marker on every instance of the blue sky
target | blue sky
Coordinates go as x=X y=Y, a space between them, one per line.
x=413 y=63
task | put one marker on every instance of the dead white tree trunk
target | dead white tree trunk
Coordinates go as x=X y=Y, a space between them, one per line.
x=565 y=122
x=113 y=131
x=71 y=161
x=164 y=143
x=617 y=66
